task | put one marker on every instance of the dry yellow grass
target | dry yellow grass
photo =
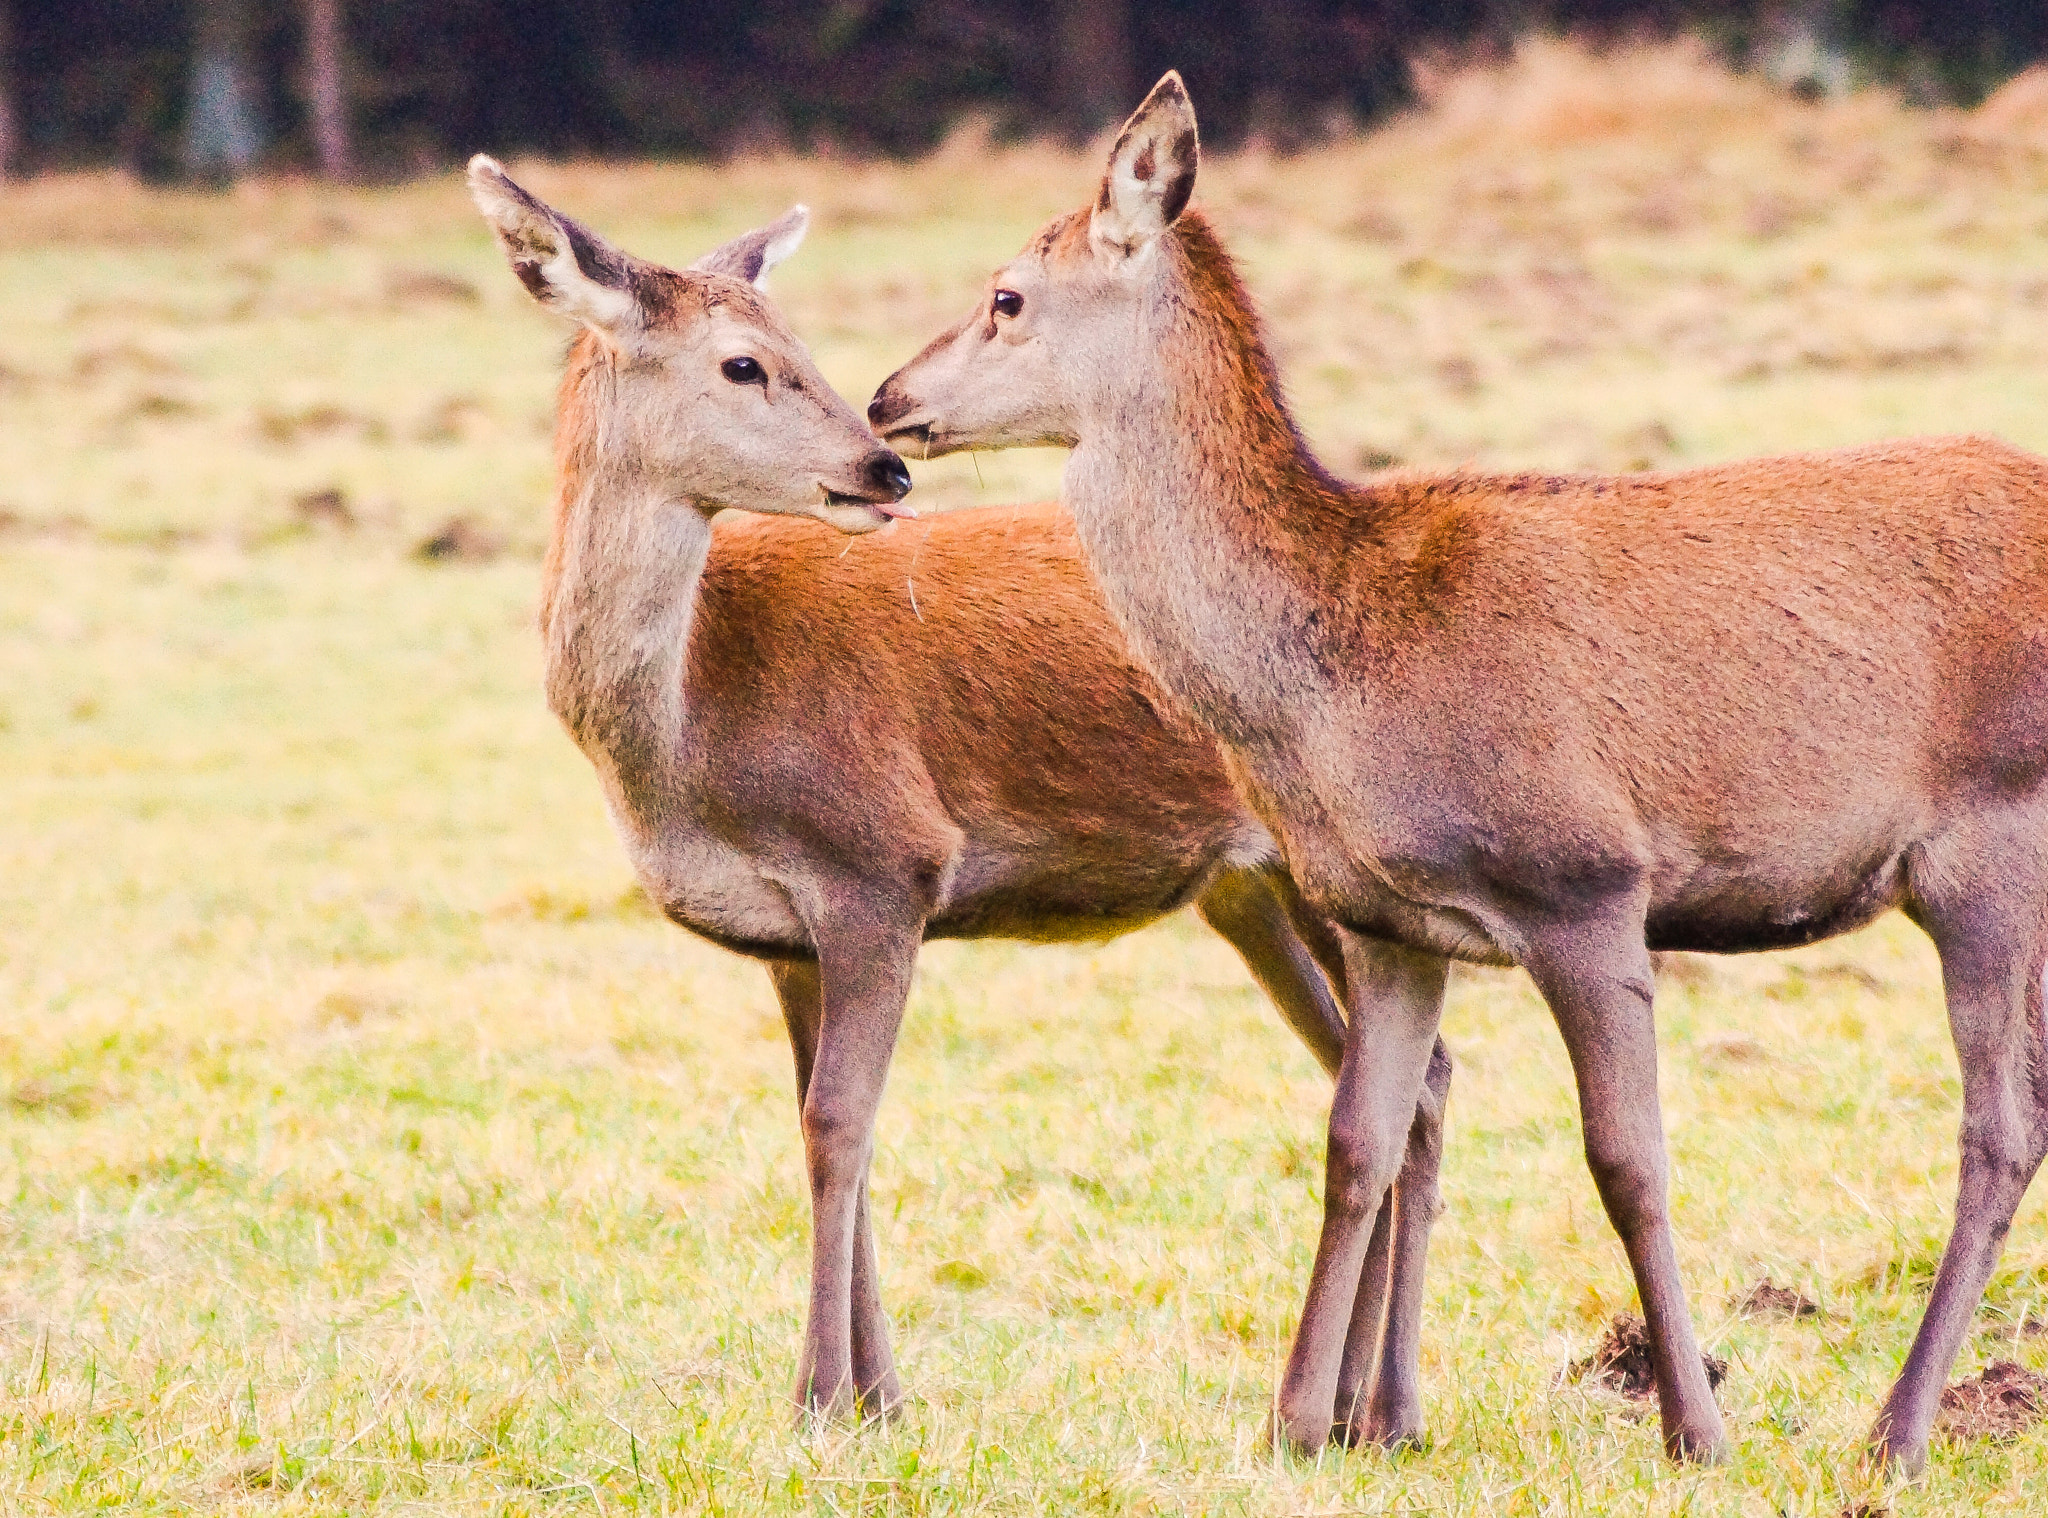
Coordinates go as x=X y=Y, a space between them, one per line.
x=365 y=1145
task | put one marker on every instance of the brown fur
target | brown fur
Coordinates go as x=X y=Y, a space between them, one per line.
x=821 y=751
x=1555 y=721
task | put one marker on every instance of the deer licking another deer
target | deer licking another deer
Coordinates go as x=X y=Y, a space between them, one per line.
x=811 y=767
x=1552 y=721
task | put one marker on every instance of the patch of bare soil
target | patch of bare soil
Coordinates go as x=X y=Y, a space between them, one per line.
x=405 y=287
x=289 y=428
x=2002 y=1402
x=325 y=508
x=1621 y=1362
x=1767 y=1299
x=461 y=540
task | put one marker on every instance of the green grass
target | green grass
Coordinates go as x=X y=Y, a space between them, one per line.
x=366 y=1145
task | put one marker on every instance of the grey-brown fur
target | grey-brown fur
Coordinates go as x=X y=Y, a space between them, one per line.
x=1556 y=721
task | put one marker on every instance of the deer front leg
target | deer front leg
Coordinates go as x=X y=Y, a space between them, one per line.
x=864 y=970
x=1597 y=979
x=1295 y=955
x=1379 y=1385
x=1395 y=996
x=875 y=1385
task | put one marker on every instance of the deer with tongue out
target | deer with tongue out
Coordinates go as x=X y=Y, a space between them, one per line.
x=821 y=753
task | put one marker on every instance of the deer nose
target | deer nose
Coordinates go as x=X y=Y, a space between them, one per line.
x=884 y=471
x=881 y=407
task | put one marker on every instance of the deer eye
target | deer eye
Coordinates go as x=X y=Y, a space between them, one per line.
x=743 y=371
x=1007 y=303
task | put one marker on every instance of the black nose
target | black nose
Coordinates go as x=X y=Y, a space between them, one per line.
x=884 y=471
x=882 y=407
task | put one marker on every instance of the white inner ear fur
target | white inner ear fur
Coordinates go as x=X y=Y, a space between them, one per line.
x=530 y=236
x=1136 y=210
x=576 y=293
x=760 y=250
x=785 y=236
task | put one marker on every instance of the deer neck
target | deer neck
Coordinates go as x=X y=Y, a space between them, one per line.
x=1198 y=500
x=619 y=594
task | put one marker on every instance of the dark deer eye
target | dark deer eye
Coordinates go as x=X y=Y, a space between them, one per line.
x=1007 y=303
x=743 y=371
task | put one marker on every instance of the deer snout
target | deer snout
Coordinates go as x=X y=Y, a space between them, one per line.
x=895 y=416
x=888 y=406
x=884 y=474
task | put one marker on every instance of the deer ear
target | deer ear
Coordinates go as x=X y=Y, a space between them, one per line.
x=566 y=267
x=1151 y=171
x=751 y=255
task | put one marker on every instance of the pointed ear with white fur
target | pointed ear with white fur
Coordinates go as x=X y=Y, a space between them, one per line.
x=565 y=266
x=1151 y=171
x=752 y=254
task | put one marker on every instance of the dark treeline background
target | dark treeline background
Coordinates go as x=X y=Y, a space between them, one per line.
x=209 y=88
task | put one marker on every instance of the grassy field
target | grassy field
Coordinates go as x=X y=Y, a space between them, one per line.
x=368 y=1146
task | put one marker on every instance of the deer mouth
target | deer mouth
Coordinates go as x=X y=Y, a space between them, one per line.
x=884 y=509
x=915 y=439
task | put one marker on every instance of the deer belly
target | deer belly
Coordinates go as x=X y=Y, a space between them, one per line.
x=716 y=891
x=1742 y=912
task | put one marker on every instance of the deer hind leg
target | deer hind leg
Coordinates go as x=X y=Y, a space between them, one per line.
x=1395 y=997
x=864 y=965
x=876 y=1388
x=1247 y=910
x=1993 y=941
x=1285 y=945
x=1596 y=977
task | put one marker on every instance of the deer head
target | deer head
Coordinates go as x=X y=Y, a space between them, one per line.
x=1055 y=330
x=708 y=396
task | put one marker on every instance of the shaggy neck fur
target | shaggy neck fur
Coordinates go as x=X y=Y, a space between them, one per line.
x=1198 y=497
x=619 y=588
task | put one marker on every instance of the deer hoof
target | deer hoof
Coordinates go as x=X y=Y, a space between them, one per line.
x=1696 y=1446
x=1297 y=1435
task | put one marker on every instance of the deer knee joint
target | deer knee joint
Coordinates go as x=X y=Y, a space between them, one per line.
x=835 y=1142
x=1360 y=1168
x=1631 y=1185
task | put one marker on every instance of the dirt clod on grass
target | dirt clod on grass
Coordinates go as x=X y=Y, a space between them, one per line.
x=1767 y=1299
x=461 y=540
x=2002 y=1402
x=1621 y=1361
x=327 y=507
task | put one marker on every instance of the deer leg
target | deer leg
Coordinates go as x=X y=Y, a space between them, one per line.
x=1245 y=910
x=864 y=972
x=1598 y=983
x=1394 y=1411
x=1284 y=944
x=875 y=1385
x=1396 y=1000
x=1991 y=941
x=1381 y=1372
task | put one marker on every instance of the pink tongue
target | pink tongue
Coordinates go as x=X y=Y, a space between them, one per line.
x=894 y=509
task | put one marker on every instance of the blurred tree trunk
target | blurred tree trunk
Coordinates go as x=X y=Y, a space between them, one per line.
x=222 y=137
x=10 y=139
x=326 y=101
x=1094 y=78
